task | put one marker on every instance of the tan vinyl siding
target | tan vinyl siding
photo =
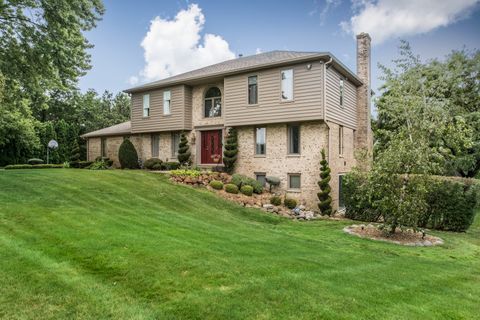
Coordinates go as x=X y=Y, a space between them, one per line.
x=188 y=107
x=157 y=121
x=346 y=115
x=306 y=104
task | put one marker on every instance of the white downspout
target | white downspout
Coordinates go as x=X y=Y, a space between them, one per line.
x=325 y=105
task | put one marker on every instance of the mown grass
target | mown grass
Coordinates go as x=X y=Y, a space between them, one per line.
x=130 y=245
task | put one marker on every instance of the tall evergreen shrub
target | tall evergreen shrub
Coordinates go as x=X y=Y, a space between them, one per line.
x=127 y=155
x=231 y=151
x=325 y=204
x=184 y=151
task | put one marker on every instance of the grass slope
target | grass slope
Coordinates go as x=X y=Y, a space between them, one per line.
x=128 y=244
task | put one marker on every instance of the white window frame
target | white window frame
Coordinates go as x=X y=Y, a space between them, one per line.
x=146 y=105
x=340 y=141
x=284 y=82
x=340 y=189
x=155 y=147
x=342 y=91
x=265 y=141
x=264 y=174
x=175 y=145
x=167 y=102
x=256 y=90
x=289 y=139
x=289 y=176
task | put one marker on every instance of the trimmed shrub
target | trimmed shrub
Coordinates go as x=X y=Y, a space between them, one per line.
x=325 y=200
x=184 y=151
x=127 y=155
x=149 y=163
x=246 y=190
x=290 y=203
x=451 y=201
x=451 y=204
x=231 y=188
x=157 y=166
x=217 y=185
x=185 y=173
x=276 y=200
x=241 y=180
x=170 y=165
x=99 y=165
x=82 y=164
x=37 y=166
x=272 y=182
x=34 y=161
x=231 y=151
x=107 y=160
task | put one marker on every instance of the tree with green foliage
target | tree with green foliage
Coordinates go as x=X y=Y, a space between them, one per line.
x=42 y=55
x=325 y=204
x=184 y=153
x=231 y=151
x=437 y=101
x=127 y=155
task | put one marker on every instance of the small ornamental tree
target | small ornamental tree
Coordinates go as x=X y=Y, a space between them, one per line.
x=127 y=155
x=231 y=151
x=184 y=151
x=325 y=204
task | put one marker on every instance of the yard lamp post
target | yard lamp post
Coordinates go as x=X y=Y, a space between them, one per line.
x=52 y=144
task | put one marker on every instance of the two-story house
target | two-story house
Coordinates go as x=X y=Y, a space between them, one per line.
x=287 y=106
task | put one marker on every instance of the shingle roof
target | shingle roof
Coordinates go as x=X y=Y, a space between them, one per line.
x=244 y=64
x=118 y=129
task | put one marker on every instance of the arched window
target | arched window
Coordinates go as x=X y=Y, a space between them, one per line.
x=213 y=103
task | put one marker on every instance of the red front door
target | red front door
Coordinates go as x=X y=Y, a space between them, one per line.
x=211 y=146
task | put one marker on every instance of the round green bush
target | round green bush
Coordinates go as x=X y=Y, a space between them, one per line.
x=217 y=185
x=149 y=163
x=246 y=190
x=231 y=188
x=127 y=155
x=290 y=203
x=157 y=166
x=35 y=161
x=276 y=200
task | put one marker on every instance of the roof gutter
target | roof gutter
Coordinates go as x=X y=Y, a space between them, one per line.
x=325 y=104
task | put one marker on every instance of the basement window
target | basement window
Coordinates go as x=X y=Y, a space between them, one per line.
x=294 y=181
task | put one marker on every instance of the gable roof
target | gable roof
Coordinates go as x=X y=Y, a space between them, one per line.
x=115 y=130
x=245 y=64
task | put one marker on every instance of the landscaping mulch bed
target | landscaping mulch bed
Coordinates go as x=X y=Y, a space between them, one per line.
x=406 y=237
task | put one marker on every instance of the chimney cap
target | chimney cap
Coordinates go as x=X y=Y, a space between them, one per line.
x=364 y=35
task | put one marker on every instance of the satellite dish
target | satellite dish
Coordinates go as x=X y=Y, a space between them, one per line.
x=52 y=144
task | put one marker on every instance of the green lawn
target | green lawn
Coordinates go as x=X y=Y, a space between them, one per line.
x=130 y=245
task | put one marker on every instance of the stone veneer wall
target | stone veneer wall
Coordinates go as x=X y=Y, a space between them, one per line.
x=141 y=142
x=276 y=162
x=340 y=164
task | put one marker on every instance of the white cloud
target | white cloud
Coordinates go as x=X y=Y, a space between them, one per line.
x=133 y=80
x=258 y=51
x=384 y=19
x=173 y=46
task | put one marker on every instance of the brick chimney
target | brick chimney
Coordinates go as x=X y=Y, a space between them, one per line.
x=364 y=135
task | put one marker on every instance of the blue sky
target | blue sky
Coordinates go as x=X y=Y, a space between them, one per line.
x=433 y=29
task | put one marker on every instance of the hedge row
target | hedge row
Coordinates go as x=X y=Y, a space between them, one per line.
x=36 y=166
x=451 y=201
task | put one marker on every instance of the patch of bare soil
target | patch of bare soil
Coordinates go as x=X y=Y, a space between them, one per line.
x=406 y=237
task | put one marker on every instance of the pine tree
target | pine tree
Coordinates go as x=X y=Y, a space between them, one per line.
x=184 y=151
x=231 y=150
x=325 y=204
